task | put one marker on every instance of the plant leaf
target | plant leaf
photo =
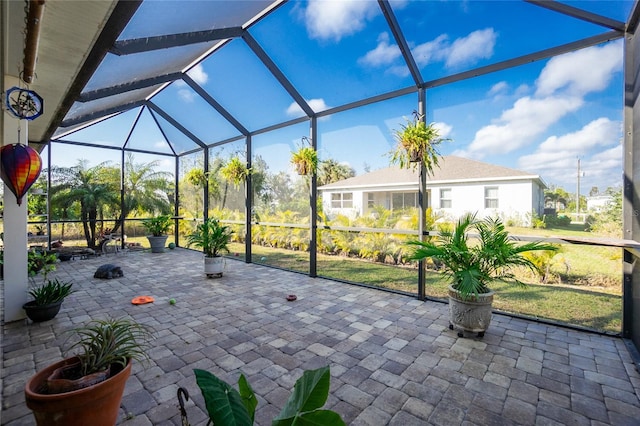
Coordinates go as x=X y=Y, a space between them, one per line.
x=309 y=393
x=319 y=418
x=248 y=396
x=224 y=404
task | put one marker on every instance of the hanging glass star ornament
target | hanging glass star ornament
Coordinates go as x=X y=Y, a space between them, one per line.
x=24 y=104
x=21 y=166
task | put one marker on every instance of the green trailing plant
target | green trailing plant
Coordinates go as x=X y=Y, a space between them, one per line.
x=158 y=225
x=102 y=343
x=235 y=171
x=472 y=267
x=417 y=142
x=228 y=406
x=305 y=159
x=40 y=262
x=52 y=291
x=212 y=236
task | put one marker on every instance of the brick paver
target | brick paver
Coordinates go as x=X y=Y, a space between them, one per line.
x=393 y=359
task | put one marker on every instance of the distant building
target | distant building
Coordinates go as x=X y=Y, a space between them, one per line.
x=598 y=202
x=459 y=186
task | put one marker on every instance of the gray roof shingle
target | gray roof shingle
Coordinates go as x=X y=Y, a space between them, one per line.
x=451 y=169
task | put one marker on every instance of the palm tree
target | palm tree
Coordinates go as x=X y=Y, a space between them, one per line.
x=330 y=171
x=146 y=189
x=82 y=185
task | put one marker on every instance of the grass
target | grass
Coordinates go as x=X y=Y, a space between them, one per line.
x=593 y=308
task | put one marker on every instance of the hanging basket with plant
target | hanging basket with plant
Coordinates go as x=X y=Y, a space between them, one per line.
x=305 y=159
x=417 y=143
x=235 y=171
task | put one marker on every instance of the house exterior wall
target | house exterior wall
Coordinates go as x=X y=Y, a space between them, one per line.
x=515 y=200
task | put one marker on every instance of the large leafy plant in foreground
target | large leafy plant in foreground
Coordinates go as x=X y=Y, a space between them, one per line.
x=227 y=406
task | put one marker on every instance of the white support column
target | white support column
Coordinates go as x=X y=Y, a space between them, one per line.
x=15 y=227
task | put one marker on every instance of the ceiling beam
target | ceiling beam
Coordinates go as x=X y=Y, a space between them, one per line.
x=127 y=87
x=522 y=60
x=147 y=44
x=101 y=113
x=580 y=14
x=275 y=71
x=119 y=18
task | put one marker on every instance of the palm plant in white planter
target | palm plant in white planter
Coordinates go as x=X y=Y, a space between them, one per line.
x=472 y=267
x=213 y=237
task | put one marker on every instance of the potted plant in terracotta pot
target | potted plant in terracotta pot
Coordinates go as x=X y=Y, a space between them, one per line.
x=86 y=389
x=305 y=159
x=417 y=142
x=213 y=237
x=158 y=227
x=472 y=267
x=235 y=171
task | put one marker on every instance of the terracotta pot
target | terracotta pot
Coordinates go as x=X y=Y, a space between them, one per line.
x=96 y=405
x=473 y=315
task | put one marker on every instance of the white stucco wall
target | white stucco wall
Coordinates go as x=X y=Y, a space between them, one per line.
x=516 y=200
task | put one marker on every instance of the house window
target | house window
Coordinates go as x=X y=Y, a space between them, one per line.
x=342 y=200
x=445 y=198
x=491 y=197
x=404 y=200
x=371 y=201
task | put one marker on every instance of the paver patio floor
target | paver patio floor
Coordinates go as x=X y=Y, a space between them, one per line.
x=393 y=358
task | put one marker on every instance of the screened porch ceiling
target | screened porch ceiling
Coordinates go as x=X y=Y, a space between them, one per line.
x=185 y=75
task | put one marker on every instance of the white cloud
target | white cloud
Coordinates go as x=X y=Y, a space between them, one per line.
x=317 y=105
x=600 y=132
x=198 y=75
x=383 y=54
x=580 y=72
x=517 y=126
x=431 y=51
x=556 y=158
x=186 y=95
x=332 y=20
x=444 y=129
x=498 y=89
x=468 y=50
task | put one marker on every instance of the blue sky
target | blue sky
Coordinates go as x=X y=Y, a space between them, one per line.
x=540 y=117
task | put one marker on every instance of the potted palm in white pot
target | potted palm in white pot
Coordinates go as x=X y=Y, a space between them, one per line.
x=213 y=237
x=472 y=267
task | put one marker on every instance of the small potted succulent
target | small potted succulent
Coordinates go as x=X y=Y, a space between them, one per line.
x=305 y=159
x=213 y=237
x=235 y=171
x=86 y=388
x=158 y=227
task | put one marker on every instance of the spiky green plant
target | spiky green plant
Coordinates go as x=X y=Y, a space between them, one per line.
x=235 y=171
x=158 y=225
x=51 y=291
x=306 y=160
x=212 y=236
x=472 y=267
x=417 y=142
x=110 y=341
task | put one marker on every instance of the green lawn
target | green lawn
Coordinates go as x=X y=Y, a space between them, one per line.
x=596 y=309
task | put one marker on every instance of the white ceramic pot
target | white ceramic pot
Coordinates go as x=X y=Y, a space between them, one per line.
x=214 y=266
